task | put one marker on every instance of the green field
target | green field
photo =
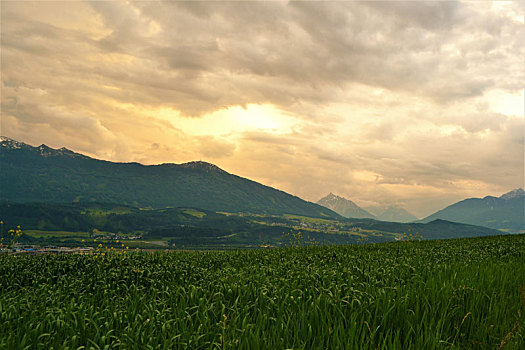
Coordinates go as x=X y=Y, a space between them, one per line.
x=82 y=239
x=461 y=294
x=310 y=219
x=194 y=212
x=56 y=234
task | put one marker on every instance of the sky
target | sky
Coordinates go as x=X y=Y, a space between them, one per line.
x=412 y=104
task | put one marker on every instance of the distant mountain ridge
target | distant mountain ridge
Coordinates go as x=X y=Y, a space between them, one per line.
x=395 y=214
x=344 y=207
x=506 y=212
x=9 y=144
x=45 y=174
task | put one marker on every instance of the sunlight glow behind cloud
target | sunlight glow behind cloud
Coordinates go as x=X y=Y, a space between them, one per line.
x=510 y=104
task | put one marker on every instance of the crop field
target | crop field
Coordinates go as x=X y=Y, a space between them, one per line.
x=55 y=234
x=467 y=293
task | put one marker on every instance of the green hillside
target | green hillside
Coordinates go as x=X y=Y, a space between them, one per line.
x=504 y=213
x=43 y=174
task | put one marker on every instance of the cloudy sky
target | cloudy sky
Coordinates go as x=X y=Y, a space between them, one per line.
x=417 y=104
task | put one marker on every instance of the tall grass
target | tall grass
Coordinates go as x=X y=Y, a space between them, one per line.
x=405 y=295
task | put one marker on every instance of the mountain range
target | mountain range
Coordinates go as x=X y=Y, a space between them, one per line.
x=506 y=212
x=349 y=209
x=344 y=207
x=44 y=174
x=392 y=213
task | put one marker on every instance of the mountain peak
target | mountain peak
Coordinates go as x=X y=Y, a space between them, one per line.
x=44 y=150
x=513 y=194
x=10 y=143
x=343 y=206
x=330 y=196
x=200 y=165
x=47 y=151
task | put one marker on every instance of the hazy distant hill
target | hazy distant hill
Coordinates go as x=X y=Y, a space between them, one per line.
x=44 y=174
x=344 y=207
x=396 y=214
x=436 y=229
x=505 y=212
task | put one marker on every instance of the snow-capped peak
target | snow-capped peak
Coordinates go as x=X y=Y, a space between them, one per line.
x=10 y=143
x=513 y=194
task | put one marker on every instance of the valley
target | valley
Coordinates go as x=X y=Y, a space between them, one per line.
x=91 y=224
x=59 y=197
